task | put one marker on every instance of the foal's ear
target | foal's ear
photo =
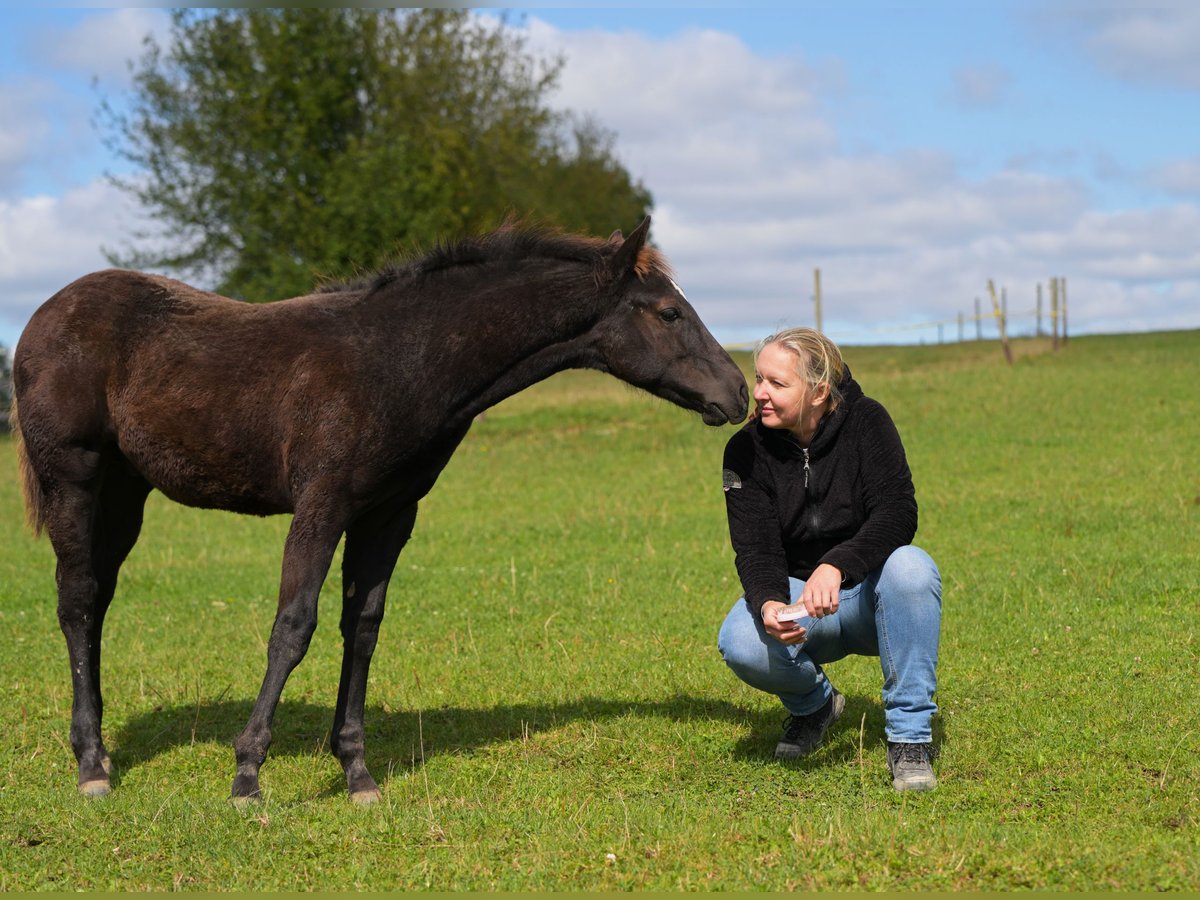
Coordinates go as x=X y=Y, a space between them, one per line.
x=616 y=237
x=627 y=255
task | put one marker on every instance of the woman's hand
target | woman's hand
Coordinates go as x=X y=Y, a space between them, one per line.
x=822 y=590
x=784 y=632
x=820 y=598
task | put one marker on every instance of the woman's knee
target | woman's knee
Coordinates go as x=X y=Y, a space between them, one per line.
x=911 y=571
x=739 y=640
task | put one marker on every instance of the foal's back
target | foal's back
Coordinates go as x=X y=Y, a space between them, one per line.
x=204 y=395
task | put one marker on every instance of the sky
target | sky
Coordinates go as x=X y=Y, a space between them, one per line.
x=910 y=152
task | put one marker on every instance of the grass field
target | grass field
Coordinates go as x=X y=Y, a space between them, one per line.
x=547 y=707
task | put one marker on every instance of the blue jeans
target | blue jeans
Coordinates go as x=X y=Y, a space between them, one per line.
x=895 y=614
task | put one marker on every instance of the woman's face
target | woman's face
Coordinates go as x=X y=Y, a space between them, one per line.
x=783 y=397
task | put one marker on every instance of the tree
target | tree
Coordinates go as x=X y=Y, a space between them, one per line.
x=6 y=391
x=274 y=147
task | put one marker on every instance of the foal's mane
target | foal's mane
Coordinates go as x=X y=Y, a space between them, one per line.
x=509 y=243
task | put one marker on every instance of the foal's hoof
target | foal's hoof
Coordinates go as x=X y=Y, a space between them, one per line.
x=245 y=802
x=245 y=790
x=366 y=798
x=97 y=787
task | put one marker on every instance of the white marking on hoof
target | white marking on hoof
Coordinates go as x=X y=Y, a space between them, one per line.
x=97 y=787
x=366 y=798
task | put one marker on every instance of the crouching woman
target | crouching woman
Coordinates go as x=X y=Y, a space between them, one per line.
x=822 y=513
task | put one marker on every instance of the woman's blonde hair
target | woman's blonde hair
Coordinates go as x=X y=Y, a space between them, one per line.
x=818 y=359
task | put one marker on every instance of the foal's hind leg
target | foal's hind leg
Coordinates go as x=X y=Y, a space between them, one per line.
x=70 y=509
x=117 y=524
x=372 y=546
x=92 y=524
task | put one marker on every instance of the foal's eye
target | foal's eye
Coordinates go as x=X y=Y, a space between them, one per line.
x=670 y=314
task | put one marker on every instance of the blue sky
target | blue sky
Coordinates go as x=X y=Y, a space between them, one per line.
x=988 y=82
x=910 y=151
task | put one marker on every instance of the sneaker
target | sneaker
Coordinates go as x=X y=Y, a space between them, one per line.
x=911 y=766
x=804 y=734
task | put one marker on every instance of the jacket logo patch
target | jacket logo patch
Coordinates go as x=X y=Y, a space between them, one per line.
x=733 y=481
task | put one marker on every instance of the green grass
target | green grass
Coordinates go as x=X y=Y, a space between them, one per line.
x=547 y=707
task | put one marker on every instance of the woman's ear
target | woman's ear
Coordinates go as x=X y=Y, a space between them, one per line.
x=821 y=394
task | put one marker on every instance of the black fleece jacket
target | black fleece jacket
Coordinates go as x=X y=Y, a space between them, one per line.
x=847 y=500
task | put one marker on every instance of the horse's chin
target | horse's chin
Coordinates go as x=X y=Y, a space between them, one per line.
x=731 y=411
x=712 y=414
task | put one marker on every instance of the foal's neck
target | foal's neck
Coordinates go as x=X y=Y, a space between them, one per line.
x=490 y=338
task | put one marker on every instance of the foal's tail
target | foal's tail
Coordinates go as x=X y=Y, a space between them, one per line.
x=35 y=513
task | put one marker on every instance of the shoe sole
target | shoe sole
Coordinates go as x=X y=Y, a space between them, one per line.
x=915 y=784
x=791 y=751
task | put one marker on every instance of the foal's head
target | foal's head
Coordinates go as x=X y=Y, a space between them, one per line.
x=653 y=339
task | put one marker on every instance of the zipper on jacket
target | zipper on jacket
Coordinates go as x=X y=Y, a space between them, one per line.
x=806 y=469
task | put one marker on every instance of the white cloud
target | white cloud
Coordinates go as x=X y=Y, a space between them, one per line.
x=1159 y=43
x=981 y=86
x=1151 y=43
x=47 y=242
x=1180 y=177
x=753 y=191
x=25 y=129
x=660 y=96
x=45 y=120
x=101 y=45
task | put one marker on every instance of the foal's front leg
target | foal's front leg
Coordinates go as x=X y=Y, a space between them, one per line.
x=307 y=554
x=372 y=546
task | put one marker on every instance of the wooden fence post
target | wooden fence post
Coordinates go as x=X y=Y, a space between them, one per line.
x=1000 y=321
x=1054 y=312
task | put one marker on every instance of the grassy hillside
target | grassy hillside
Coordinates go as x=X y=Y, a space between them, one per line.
x=548 y=709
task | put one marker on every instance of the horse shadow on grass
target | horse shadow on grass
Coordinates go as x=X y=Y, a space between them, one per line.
x=402 y=740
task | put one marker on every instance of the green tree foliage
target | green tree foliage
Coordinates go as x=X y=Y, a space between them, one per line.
x=6 y=391
x=274 y=147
